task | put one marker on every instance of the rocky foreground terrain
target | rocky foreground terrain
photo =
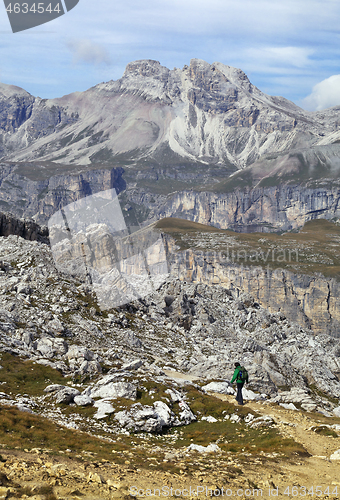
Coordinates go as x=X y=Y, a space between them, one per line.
x=140 y=379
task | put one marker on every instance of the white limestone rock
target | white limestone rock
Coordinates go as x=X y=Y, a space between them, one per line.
x=186 y=416
x=104 y=408
x=66 y=395
x=165 y=415
x=336 y=411
x=45 y=347
x=23 y=407
x=210 y=419
x=250 y=395
x=219 y=387
x=288 y=406
x=133 y=365
x=115 y=390
x=82 y=400
x=211 y=448
x=54 y=388
x=28 y=339
x=335 y=455
x=174 y=395
x=309 y=406
x=146 y=418
x=263 y=421
x=78 y=353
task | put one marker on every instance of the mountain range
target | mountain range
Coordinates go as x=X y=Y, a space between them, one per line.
x=200 y=143
x=209 y=113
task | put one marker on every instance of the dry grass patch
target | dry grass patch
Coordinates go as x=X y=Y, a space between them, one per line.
x=313 y=249
x=325 y=431
x=21 y=376
x=26 y=431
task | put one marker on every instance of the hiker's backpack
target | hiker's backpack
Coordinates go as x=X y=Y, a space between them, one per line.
x=242 y=374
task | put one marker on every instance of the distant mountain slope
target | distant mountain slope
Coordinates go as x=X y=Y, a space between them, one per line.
x=202 y=113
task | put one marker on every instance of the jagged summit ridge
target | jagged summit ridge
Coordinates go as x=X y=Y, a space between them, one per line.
x=198 y=80
x=203 y=112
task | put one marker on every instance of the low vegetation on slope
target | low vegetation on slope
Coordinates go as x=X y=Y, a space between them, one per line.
x=313 y=249
x=26 y=431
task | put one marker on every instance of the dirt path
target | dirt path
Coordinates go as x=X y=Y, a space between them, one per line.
x=317 y=470
x=228 y=476
x=180 y=376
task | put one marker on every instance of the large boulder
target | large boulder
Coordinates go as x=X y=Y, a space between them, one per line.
x=146 y=418
x=104 y=408
x=165 y=415
x=49 y=347
x=133 y=365
x=219 y=387
x=295 y=395
x=45 y=347
x=79 y=354
x=186 y=416
x=66 y=395
x=83 y=400
x=114 y=390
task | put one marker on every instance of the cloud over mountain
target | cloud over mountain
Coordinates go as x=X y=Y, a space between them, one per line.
x=86 y=51
x=324 y=95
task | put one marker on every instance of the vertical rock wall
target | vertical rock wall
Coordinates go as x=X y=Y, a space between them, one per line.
x=310 y=300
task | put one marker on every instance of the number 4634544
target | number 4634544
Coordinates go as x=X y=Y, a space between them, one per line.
x=35 y=8
x=301 y=491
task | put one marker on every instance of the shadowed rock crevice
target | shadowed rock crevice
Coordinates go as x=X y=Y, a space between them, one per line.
x=27 y=229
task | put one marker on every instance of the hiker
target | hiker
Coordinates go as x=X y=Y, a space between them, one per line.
x=241 y=376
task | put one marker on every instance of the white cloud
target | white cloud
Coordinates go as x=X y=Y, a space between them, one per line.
x=269 y=40
x=85 y=50
x=324 y=95
x=298 y=57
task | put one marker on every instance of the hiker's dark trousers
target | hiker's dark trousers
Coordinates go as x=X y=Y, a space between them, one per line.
x=239 y=397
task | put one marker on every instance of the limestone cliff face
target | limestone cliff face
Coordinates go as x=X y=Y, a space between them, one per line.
x=273 y=208
x=310 y=300
x=39 y=199
x=27 y=229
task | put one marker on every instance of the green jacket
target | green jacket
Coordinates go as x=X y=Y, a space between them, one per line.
x=235 y=376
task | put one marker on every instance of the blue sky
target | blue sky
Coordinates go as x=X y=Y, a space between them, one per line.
x=289 y=48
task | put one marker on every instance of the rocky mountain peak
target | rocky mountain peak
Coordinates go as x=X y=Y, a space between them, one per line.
x=8 y=91
x=217 y=72
x=203 y=112
x=156 y=82
x=145 y=68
